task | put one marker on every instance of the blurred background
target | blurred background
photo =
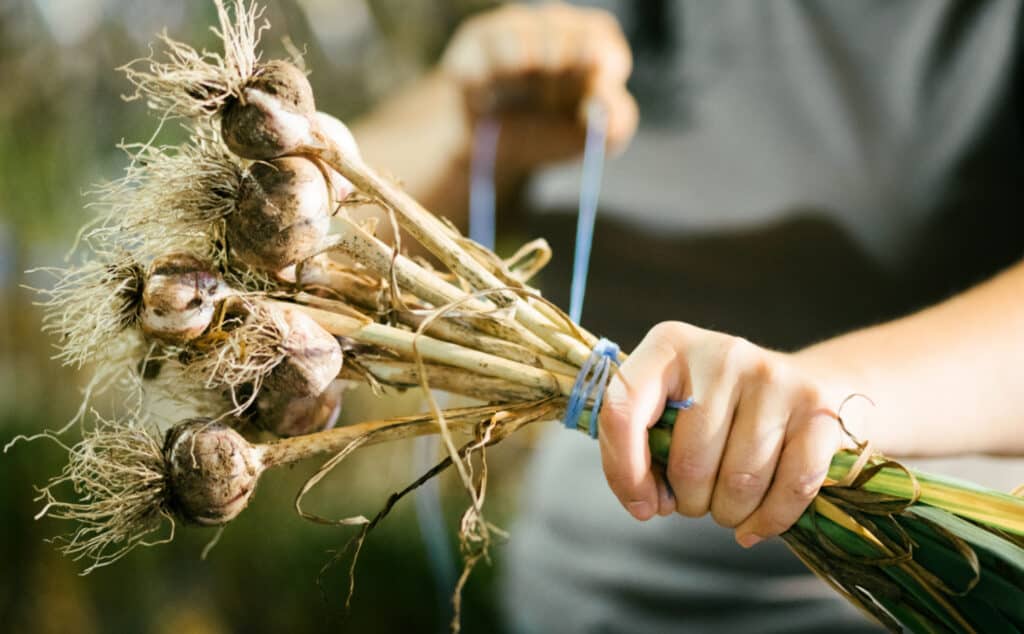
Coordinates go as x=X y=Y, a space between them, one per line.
x=61 y=116
x=662 y=250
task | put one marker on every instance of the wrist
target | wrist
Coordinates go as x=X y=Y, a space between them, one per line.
x=845 y=388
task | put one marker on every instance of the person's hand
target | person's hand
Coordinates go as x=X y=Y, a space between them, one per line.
x=753 y=450
x=539 y=69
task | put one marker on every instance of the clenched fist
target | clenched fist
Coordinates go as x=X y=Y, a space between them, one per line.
x=538 y=69
x=754 y=448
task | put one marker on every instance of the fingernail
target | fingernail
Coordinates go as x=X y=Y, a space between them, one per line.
x=748 y=540
x=641 y=510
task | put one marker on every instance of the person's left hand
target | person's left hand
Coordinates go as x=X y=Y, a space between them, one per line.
x=538 y=69
x=753 y=450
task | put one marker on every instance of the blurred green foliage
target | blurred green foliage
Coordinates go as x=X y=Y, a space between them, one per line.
x=61 y=117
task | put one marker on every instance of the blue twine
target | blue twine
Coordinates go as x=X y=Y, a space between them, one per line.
x=430 y=517
x=429 y=513
x=686 y=403
x=481 y=182
x=591 y=382
x=590 y=189
x=593 y=377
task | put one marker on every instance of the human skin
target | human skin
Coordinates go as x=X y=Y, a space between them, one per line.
x=755 y=448
x=536 y=69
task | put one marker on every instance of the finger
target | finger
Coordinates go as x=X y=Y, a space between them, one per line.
x=561 y=84
x=700 y=432
x=465 y=59
x=633 y=402
x=623 y=116
x=802 y=469
x=512 y=43
x=605 y=51
x=752 y=451
x=666 y=498
x=560 y=37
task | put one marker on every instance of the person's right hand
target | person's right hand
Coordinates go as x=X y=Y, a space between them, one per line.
x=753 y=449
x=538 y=69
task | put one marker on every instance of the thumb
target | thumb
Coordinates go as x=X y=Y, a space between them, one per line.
x=622 y=115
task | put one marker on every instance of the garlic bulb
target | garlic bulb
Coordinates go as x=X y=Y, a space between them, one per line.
x=273 y=116
x=282 y=213
x=179 y=298
x=212 y=471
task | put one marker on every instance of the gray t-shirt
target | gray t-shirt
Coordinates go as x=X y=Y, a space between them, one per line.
x=894 y=124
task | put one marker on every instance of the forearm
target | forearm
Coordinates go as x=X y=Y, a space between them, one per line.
x=420 y=136
x=945 y=380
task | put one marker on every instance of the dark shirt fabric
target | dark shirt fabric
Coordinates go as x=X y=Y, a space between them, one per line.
x=835 y=164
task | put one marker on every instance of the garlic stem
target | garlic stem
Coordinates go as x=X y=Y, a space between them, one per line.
x=405 y=374
x=291 y=450
x=453 y=331
x=427 y=285
x=430 y=232
x=407 y=343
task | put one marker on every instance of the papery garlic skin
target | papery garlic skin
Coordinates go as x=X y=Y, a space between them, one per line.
x=282 y=213
x=339 y=134
x=301 y=415
x=302 y=394
x=179 y=298
x=313 y=359
x=213 y=471
x=273 y=117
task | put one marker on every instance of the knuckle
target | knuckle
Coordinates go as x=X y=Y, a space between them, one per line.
x=615 y=412
x=810 y=394
x=805 y=487
x=735 y=354
x=662 y=341
x=724 y=516
x=667 y=331
x=743 y=484
x=766 y=371
x=736 y=495
x=688 y=470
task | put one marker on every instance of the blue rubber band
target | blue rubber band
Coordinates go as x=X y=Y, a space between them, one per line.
x=591 y=382
x=590 y=190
